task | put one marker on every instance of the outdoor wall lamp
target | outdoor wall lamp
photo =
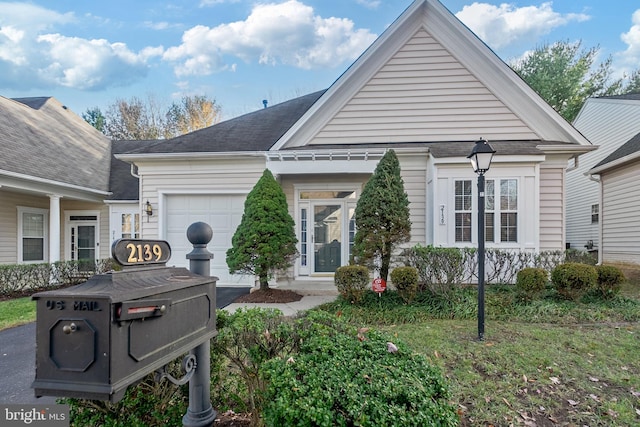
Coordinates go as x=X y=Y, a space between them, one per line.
x=480 y=158
x=148 y=210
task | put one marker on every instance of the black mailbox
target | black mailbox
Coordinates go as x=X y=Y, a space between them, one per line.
x=95 y=339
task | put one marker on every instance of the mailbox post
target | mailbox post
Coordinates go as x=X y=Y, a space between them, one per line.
x=200 y=412
x=95 y=339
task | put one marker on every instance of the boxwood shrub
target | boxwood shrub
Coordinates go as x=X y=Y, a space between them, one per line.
x=530 y=283
x=573 y=280
x=610 y=279
x=405 y=280
x=352 y=282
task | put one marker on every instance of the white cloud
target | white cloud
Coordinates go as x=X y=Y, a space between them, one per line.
x=286 y=33
x=499 y=26
x=89 y=64
x=371 y=4
x=630 y=58
x=32 y=55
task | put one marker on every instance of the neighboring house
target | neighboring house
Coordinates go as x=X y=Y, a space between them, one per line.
x=54 y=176
x=608 y=122
x=427 y=88
x=60 y=185
x=619 y=179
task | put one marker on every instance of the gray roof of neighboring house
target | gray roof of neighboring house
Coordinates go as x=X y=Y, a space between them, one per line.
x=41 y=138
x=122 y=184
x=256 y=131
x=630 y=147
x=632 y=96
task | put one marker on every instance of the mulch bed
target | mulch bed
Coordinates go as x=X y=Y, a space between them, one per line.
x=269 y=296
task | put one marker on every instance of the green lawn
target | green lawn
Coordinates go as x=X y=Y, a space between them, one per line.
x=17 y=312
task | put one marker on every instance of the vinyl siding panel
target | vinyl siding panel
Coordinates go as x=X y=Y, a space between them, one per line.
x=620 y=219
x=193 y=177
x=9 y=202
x=607 y=123
x=551 y=209
x=422 y=93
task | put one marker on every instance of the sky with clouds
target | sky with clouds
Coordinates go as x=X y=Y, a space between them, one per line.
x=88 y=54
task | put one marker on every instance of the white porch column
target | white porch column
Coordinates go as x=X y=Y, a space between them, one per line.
x=54 y=228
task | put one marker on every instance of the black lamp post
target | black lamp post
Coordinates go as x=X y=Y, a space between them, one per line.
x=480 y=158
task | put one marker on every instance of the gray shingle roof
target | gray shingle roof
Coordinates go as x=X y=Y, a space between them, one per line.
x=630 y=147
x=256 y=131
x=41 y=138
x=631 y=96
x=122 y=184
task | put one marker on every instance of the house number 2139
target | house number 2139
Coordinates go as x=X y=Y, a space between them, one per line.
x=142 y=253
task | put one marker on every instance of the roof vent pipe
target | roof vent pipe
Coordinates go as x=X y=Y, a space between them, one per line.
x=265 y=102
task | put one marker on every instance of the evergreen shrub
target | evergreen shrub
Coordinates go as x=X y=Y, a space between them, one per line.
x=573 y=280
x=405 y=280
x=610 y=279
x=530 y=283
x=352 y=282
x=349 y=377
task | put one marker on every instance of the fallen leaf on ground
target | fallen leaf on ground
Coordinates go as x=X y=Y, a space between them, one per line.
x=572 y=402
x=594 y=379
x=555 y=380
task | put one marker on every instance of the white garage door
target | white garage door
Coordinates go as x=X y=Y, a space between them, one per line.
x=222 y=212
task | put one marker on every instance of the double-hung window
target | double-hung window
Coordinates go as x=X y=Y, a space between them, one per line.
x=501 y=210
x=32 y=234
x=508 y=210
x=463 y=210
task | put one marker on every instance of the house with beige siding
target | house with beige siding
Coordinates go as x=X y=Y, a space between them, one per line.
x=619 y=197
x=427 y=88
x=610 y=122
x=63 y=196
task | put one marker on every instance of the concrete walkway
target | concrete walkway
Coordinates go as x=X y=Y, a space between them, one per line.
x=314 y=293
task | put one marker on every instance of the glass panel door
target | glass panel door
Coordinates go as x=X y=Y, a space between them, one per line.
x=327 y=243
x=86 y=242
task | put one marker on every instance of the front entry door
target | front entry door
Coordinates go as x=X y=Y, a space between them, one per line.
x=85 y=246
x=326 y=229
x=327 y=233
x=82 y=239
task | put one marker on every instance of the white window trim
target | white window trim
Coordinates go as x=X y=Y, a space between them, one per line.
x=496 y=211
x=68 y=223
x=45 y=212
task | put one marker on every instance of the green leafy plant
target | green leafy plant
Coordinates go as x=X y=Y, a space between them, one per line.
x=573 y=280
x=530 y=283
x=610 y=279
x=350 y=376
x=439 y=269
x=405 y=280
x=248 y=338
x=352 y=281
x=265 y=240
x=147 y=404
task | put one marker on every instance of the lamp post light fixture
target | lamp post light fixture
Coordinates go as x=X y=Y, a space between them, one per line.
x=480 y=158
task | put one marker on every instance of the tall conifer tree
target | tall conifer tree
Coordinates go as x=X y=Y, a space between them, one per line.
x=382 y=215
x=265 y=240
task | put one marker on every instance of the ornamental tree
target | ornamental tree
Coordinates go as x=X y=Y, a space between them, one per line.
x=265 y=240
x=382 y=215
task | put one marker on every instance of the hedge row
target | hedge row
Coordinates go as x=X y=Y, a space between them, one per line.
x=17 y=279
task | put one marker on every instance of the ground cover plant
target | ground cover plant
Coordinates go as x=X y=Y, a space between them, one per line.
x=548 y=361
